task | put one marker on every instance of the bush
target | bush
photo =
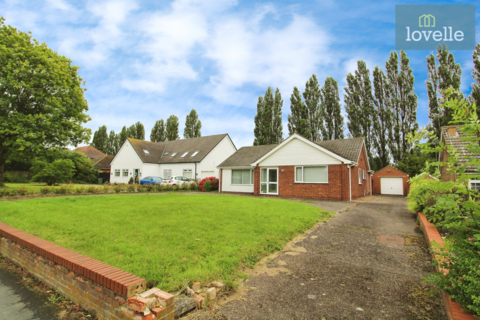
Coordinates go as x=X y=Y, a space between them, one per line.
x=141 y=188
x=423 y=192
x=22 y=191
x=80 y=190
x=151 y=187
x=93 y=189
x=131 y=188
x=130 y=181
x=212 y=181
x=118 y=188
x=46 y=190
x=57 y=171
x=207 y=186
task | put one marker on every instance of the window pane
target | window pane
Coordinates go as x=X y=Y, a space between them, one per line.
x=251 y=176
x=187 y=173
x=272 y=188
x=315 y=174
x=167 y=174
x=299 y=175
x=263 y=188
x=263 y=176
x=236 y=176
x=245 y=176
x=272 y=175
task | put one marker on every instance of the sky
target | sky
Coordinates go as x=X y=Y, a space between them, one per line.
x=146 y=60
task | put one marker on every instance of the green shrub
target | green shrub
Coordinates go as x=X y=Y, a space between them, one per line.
x=141 y=188
x=80 y=190
x=106 y=188
x=93 y=189
x=22 y=191
x=423 y=192
x=167 y=187
x=2 y=192
x=46 y=190
x=131 y=188
x=151 y=187
x=118 y=188
x=207 y=186
x=130 y=181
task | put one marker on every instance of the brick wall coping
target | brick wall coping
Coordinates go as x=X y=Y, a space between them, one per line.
x=115 y=279
x=453 y=308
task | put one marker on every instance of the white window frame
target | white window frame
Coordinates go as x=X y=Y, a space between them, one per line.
x=359 y=175
x=174 y=154
x=474 y=181
x=124 y=172
x=303 y=174
x=146 y=151
x=165 y=176
x=187 y=170
x=243 y=184
x=117 y=171
x=195 y=153
x=183 y=155
x=268 y=182
x=364 y=175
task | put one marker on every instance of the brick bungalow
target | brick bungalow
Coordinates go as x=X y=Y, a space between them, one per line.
x=300 y=168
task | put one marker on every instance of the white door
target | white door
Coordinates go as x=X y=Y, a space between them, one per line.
x=269 y=181
x=391 y=186
x=205 y=174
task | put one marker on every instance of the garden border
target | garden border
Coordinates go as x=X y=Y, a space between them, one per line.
x=453 y=308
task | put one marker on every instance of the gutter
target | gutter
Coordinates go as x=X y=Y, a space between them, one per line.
x=350 y=181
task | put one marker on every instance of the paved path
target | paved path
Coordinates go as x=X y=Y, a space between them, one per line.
x=19 y=303
x=343 y=271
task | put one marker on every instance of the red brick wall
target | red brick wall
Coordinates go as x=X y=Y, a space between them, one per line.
x=391 y=172
x=359 y=190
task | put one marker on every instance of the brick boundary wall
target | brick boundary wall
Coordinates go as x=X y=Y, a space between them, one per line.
x=105 y=291
x=454 y=309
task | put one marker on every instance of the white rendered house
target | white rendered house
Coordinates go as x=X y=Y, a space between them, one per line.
x=194 y=158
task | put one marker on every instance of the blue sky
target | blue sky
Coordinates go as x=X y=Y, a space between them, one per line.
x=146 y=60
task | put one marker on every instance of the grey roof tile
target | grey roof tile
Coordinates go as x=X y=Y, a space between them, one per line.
x=245 y=156
x=456 y=142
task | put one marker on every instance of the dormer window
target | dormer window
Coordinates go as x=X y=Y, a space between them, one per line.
x=146 y=151
x=174 y=154
x=195 y=153
x=183 y=155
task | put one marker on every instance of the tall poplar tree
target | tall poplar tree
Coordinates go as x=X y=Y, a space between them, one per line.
x=171 y=131
x=297 y=119
x=381 y=127
x=192 y=126
x=140 y=131
x=330 y=100
x=442 y=76
x=402 y=102
x=359 y=105
x=158 y=131
x=475 y=94
x=315 y=110
x=111 y=143
x=100 y=139
x=123 y=135
x=268 y=121
x=132 y=132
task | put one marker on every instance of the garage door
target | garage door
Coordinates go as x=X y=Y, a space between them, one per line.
x=205 y=174
x=392 y=186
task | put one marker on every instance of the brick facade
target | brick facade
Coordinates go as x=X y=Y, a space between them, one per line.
x=389 y=172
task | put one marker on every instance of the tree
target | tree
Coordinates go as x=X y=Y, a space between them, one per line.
x=297 y=120
x=359 y=105
x=447 y=74
x=414 y=162
x=60 y=170
x=268 y=121
x=41 y=98
x=384 y=115
x=100 y=139
x=315 y=110
x=112 y=143
x=171 y=131
x=123 y=135
x=158 y=132
x=139 y=131
x=475 y=94
x=330 y=100
x=192 y=126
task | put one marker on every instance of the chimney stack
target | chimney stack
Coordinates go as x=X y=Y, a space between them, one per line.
x=452 y=131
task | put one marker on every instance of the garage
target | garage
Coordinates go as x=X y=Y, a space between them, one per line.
x=390 y=181
x=391 y=186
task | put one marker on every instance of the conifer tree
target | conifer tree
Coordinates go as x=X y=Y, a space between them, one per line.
x=315 y=110
x=277 y=132
x=192 y=126
x=139 y=131
x=359 y=105
x=100 y=139
x=475 y=94
x=446 y=74
x=132 y=132
x=171 y=131
x=111 y=144
x=158 y=131
x=297 y=119
x=330 y=100
x=268 y=121
x=384 y=116
x=123 y=135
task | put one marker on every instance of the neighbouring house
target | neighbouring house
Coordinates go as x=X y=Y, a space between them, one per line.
x=390 y=181
x=452 y=138
x=100 y=160
x=195 y=158
x=91 y=152
x=300 y=168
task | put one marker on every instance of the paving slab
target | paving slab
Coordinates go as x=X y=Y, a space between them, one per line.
x=345 y=271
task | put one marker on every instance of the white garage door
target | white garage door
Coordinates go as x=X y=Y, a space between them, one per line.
x=392 y=186
x=205 y=174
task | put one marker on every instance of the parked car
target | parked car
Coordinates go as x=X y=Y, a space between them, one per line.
x=178 y=180
x=151 y=180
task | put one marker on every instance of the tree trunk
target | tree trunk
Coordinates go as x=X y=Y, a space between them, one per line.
x=2 y=167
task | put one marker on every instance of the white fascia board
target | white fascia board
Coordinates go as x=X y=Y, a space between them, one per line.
x=244 y=167
x=310 y=143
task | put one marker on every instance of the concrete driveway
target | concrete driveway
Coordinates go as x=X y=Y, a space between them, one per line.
x=365 y=263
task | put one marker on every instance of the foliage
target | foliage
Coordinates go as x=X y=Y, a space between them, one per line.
x=61 y=170
x=130 y=181
x=268 y=121
x=384 y=120
x=330 y=100
x=316 y=113
x=171 y=130
x=297 y=120
x=456 y=207
x=41 y=98
x=212 y=181
x=414 y=162
x=100 y=139
x=475 y=94
x=113 y=143
x=192 y=126
x=158 y=132
x=207 y=186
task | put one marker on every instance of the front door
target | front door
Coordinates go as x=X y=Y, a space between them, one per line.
x=135 y=174
x=269 y=181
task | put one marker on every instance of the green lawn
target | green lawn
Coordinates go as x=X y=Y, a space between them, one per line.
x=166 y=238
x=35 y=187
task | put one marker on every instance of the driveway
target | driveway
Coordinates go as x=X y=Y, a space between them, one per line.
x=365 y=263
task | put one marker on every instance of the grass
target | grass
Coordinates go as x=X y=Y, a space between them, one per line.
x=35 y=187
x=166 y=239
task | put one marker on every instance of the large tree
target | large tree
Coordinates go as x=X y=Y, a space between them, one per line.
x=41 y=98
x=113 y=143
x=140 y=131
x=402 y=102
x=384 y=115
x=268 y=121
x=359 y=105
x=297 y=119
x=315 y=110
x=330 y=101
x=122 y=136
x=171 y=131
x=100 y=139
x=475 y=95
x=192 y=126
x=442 y=76
x=158 y=131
